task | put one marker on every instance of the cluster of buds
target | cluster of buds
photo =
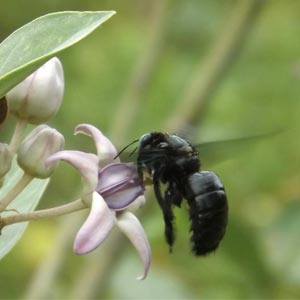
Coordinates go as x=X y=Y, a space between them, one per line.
x=34 y=101
x=111 y=189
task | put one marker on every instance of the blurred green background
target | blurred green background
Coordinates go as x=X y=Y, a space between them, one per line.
x=135 y=74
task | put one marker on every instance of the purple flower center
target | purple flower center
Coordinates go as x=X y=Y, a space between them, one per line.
x=119 y=185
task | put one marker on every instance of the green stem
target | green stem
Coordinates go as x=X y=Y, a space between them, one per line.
x=15 y=191
x=143 y=70
x=44 y=213
x=209 y=73
x=17 y=136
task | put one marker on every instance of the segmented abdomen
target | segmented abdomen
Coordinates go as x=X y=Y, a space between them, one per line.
x=208 y=211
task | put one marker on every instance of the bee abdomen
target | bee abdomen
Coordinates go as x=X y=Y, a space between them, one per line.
x=208 y=211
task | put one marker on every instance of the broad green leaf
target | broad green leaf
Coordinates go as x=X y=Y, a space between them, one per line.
x=36 y=42
x=24 y=202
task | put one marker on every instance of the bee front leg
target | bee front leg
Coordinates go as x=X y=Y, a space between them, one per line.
x=166 y=207
x=171 y=197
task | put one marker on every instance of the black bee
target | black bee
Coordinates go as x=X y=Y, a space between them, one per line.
x=173 y=166
x=173 y=162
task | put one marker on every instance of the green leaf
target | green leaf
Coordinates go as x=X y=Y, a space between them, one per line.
x=36 y=42
x=24 y=202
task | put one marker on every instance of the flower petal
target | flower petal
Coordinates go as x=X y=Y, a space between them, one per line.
x=132 y=228
x=87 y=165
x=136 y=204
x=119 y=184
x=96 y=227
x=106 y=151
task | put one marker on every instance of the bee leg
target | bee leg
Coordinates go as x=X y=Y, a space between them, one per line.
x=157 y=191
x=166 y=207
x=175 y=194
x=140 y=171
x=170 y=198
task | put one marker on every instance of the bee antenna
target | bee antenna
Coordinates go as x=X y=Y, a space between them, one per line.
x=133 y=151
x=135 y=141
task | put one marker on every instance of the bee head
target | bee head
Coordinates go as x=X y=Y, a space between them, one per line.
x=152 y=140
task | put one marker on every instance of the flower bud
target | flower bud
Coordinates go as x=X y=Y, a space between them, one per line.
x=40 y=143
x=5 y=159
x=38 y=97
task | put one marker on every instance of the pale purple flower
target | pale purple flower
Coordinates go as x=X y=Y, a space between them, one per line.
x=110 y=188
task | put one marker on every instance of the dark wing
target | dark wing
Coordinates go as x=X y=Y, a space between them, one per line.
x=214 y=152
x=211 y=153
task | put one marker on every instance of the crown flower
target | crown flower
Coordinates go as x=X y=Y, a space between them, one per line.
x=110 y=188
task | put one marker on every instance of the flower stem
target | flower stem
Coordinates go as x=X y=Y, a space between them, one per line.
x=209 y=72
x=143 y=71
x=15 y=191
x=44 y=213
x=17 y=135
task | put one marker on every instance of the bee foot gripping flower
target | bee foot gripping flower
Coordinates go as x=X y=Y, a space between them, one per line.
x=111 y=188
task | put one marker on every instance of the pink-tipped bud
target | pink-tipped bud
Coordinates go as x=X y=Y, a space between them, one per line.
x=38 y=97
x=40 y=143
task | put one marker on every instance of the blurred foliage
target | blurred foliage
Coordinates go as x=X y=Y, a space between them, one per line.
x=259 y=257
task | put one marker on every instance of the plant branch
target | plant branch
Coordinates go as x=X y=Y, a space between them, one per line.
x=17 y=135
x=208 y=74
x=44 y=213
x=15 y=191
x=141 y=73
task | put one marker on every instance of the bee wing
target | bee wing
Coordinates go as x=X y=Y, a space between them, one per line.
x=211 y=153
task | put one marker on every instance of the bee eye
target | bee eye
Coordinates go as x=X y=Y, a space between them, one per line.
x=163 y=145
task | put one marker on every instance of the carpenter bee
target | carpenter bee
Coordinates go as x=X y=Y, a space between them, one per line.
x=173 y=166
x=172 y=161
